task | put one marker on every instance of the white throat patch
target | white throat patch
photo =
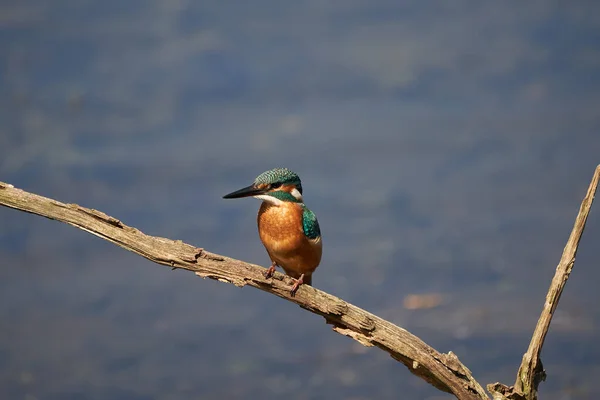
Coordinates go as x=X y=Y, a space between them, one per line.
x=269 y=199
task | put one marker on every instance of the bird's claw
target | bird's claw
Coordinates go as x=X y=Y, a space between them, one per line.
x=298 y=283
x=270 y=272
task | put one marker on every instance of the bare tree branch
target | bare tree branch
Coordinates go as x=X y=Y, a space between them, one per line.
x=531 y=372
x=444 y=371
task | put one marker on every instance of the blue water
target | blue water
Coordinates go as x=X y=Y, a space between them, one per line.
x=445 y=150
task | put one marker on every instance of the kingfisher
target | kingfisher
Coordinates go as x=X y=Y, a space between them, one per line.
x=287 y=228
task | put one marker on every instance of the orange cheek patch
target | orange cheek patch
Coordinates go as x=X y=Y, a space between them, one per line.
x=287 y=188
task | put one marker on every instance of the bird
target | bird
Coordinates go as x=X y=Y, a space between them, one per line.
x=288 y=229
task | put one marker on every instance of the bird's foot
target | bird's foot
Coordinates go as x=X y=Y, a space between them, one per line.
x=270 y=271
x=298 y=283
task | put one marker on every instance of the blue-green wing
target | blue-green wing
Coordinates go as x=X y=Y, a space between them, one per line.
x=310 y=224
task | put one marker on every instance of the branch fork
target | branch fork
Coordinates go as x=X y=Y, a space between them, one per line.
x=442 y=370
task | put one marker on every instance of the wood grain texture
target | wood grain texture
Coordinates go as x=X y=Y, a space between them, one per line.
x=444 y=371
x=531 y=372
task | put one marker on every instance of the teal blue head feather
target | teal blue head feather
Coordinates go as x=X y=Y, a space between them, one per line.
x=279 y=183
x=279 y=176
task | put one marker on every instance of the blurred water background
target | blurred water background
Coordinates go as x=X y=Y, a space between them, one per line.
x=444 y=146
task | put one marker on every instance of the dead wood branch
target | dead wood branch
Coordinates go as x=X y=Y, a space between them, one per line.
x=531 y=372
x=444 y=371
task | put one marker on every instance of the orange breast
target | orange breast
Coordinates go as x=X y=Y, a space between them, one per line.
x=280 y=230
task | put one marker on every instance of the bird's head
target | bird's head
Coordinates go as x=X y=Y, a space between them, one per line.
x=274 y=186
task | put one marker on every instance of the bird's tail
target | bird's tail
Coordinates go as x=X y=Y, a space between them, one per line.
x=307 y=280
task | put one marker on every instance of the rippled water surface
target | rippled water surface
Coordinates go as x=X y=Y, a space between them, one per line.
x=444 y=148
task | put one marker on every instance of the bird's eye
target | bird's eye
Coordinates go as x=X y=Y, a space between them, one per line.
x=275 y=185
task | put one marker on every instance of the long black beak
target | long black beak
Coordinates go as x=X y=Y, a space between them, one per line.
x=245 y=192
